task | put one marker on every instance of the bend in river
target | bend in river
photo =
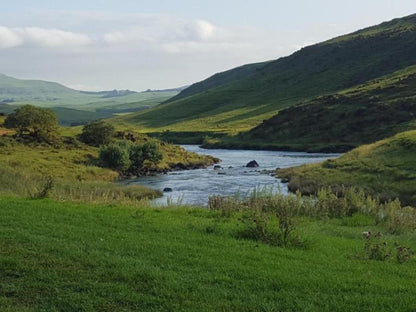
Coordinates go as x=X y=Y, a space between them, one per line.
x=193 y=187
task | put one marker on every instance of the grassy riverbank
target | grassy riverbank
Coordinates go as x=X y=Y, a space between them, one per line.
x=62 y=256
x=69 y=170
x=385 y=168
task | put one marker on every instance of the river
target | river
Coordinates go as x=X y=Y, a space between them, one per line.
x=193 y=187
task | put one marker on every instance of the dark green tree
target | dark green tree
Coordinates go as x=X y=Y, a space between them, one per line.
x=41 y=124
x=97 y=133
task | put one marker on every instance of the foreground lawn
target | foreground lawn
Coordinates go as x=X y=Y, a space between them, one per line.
x=68 y=257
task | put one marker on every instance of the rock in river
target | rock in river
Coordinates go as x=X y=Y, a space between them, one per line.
x=252 y=164
x=167 y=189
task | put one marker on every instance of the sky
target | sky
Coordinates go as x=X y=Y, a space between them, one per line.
x=159 y=44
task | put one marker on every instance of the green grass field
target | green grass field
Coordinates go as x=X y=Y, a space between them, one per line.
x=66 y=257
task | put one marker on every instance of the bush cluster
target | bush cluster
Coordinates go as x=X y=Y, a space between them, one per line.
x=130 y=158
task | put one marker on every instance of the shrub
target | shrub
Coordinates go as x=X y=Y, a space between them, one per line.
x=285 y=214
x=116 y=156
x=140 y=153
x=97 y=133
x=403 y=254
x=375 y=248
x=399 y=218
x=256 y=226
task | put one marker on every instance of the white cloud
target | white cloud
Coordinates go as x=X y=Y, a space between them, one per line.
x=42 y=37
x=200 y=30
x=8 y=38
x=133 y=36
x=53 y=38
x=163 y=30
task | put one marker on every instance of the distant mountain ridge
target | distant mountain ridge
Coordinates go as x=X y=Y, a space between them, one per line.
x=73 y=106
x=51 y=94
x=109 y=94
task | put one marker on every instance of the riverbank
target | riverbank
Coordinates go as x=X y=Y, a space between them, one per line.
x=225 y=140
x=232 y=143
x=385 y=169
x=69 y=170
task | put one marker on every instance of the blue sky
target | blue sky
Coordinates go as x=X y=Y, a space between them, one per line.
x=138 y=45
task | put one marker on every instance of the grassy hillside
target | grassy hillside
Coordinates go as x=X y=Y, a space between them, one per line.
x=386 y=168
x=339 y=121
x=218 y=80
x=316 y=70
x=66 y=257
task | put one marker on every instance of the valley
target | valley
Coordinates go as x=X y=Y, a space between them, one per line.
x=279 y=185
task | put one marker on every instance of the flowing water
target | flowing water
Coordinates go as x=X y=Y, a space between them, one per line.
x=193 y=187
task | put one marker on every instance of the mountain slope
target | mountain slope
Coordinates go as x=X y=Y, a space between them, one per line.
x=340 y=121
x=386 y=168
x=320 y=69
x=218 y=80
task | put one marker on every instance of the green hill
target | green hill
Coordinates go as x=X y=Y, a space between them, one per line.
x=340 y=121
x=244 y=101
x=41 y=93
x=50 y=94
x=386 y=168
x=74 y=106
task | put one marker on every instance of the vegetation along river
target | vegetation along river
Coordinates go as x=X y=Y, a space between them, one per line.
x=193 y=187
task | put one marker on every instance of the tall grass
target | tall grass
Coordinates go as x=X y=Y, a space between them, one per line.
x=325 y=205
x=15 y=183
